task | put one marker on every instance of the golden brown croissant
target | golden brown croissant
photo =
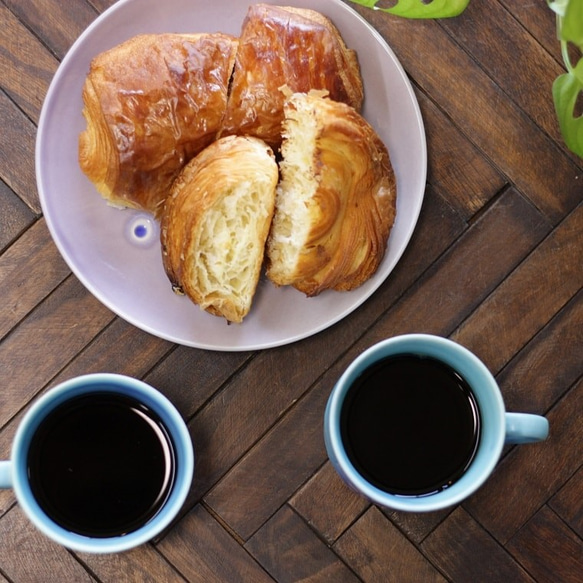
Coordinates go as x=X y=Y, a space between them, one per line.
x=336 y=201
x=215 y=223
x=151 y=104
x=298 y=49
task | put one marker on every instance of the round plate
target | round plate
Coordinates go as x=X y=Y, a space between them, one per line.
x=116 y=253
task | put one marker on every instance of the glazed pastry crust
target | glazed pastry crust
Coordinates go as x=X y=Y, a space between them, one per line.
x=336 y=202
x=286 y=50
x=215 y=223
x=151 y=104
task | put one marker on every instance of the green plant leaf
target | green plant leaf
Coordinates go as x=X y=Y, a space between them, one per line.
x=572 y=23
x=566 y=89
x=420 y=8
x=559 y=6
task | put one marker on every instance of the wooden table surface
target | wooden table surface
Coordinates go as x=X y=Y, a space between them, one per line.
x=495 y=263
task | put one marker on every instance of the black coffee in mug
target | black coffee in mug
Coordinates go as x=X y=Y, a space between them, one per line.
x=410 y=425
x=101 y=464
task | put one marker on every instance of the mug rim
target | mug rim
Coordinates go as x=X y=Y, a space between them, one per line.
x=113 y=383
x=491 y=439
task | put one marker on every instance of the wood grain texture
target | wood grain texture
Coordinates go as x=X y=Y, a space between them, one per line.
x=270 y=474
x=539 y=21
x=141 y=565
x=462 y=277
x=567 y=502
x=365 y=544
x=327 y=504
x=539 y=288
x=27 y=67
x=28 y=278
x=516 y=61
x=455 y=166
x=494 y=263
x=290 y=551
x=17 y=153
x=532 y=381
x=542 y=470
x=204 y=552
x=46 y=340
x=19 y=541
x=548 y=549
x=57 y=24
x=504 y=132
x=481 y=560
x=15 y=216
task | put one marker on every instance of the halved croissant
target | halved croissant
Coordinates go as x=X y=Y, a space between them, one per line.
x=151 y=104
x=336 y=202
x=292 y=48
x=215 y=223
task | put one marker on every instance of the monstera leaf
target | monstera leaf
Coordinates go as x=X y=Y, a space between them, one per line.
x=418 y=8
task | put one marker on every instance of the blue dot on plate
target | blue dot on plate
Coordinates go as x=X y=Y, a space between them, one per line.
x=140 y=231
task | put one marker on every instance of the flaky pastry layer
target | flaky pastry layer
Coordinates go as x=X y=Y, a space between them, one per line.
x=287 y=48
x=215 y=223
x=151 y=104
x=336 y=202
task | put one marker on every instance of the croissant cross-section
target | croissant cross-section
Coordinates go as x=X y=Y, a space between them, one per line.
x=215 y=223
x=336 y=201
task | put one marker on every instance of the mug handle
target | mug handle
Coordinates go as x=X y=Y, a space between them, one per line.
x=525 y=428
x=5 y=474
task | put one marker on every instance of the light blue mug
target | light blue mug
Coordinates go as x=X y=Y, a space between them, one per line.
x=15 y=474
x=497 y=427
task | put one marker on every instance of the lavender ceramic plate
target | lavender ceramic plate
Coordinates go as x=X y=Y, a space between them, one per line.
x=116 y=253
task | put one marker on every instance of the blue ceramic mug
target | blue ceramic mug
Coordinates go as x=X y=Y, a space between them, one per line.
x=123 y=402
x=496 y=426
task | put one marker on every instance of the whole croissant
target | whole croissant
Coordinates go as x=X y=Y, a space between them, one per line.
x=151 y=104
x=336 y=202
x=285 y=50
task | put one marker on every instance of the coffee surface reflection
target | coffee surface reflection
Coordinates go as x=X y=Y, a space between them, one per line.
x=410 y=425
x=101 y=464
